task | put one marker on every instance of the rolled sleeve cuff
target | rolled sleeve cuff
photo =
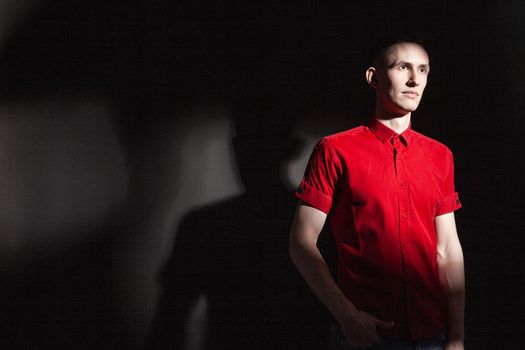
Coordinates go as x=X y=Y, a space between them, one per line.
x=448 y=204
x=314 y=197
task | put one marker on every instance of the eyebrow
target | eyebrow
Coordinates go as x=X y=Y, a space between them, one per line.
x=397 y=63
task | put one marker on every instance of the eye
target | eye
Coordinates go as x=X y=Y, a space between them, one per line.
x=403 y=67
x=422 y=69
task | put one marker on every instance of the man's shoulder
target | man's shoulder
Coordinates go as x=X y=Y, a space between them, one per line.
x=346 y=137
x=430 y=143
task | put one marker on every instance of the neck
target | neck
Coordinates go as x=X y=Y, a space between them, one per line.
x=398 y=124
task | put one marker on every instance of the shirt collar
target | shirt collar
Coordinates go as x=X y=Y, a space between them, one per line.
x=384 y=133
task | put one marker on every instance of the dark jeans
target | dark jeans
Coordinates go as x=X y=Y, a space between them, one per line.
x=339 y=342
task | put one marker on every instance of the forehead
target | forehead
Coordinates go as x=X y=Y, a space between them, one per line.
x=406 y=52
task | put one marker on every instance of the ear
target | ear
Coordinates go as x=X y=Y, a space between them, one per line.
x=371 y=76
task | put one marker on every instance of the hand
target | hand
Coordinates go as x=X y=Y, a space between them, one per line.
x=360 y=329
x=454 y=345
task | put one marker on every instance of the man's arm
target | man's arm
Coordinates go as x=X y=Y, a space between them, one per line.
x=358 y=327
x=451 y=270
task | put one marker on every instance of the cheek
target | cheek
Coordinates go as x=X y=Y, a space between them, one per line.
x=397 y=83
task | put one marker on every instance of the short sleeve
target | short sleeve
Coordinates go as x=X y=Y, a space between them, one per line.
x=320 y=178
x=449 y=201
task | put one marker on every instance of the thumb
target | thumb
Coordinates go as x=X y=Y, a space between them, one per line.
x=383 y=324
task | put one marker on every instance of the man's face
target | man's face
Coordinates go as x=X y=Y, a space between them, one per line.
x=401 y=79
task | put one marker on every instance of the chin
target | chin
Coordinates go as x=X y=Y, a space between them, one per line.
x=409 y=108
x=404 y=110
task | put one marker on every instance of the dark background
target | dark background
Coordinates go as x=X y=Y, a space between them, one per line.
x=148 y=151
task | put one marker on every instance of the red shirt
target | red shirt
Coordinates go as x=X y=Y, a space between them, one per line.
x=382 y=191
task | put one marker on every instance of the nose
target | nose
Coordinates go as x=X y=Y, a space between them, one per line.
x=413 y=79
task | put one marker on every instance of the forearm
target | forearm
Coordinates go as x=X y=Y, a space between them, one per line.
x=451 y=269
x=312 y=266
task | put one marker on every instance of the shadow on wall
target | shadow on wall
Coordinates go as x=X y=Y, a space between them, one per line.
x=234 y=255
x=83 y=209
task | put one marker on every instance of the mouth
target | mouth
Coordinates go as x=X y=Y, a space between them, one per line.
x=411 y=94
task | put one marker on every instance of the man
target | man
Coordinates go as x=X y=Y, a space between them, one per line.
x=388 y=193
